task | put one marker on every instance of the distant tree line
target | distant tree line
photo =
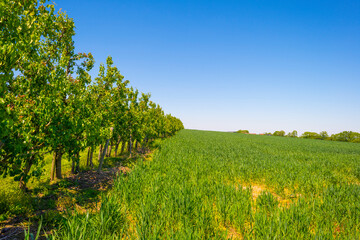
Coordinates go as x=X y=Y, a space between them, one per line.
x=345 y=136
x=243 y=131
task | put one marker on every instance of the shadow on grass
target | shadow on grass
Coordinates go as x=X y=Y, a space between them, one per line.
x=53 y=202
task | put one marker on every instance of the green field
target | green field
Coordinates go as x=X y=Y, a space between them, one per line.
x=212 y=185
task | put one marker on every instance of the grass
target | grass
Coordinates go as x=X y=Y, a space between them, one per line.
x=54 y=202
x=212 y=185
x=14 y=202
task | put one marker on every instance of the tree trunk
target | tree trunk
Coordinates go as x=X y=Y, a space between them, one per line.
x=75 y=163
x=123 y=143
x=116 y=149
x=136 y=145
x=130 y=147
x=109 y=152
x=23 y=180
x=103 y=155
x=53 y=167
x=117 y=146
x=72 y=163
x=88 y=157
x=91 y=157
x=58 y=164
x=100 y=151
x=77 y=167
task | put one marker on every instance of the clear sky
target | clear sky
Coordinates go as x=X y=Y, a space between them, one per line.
x=227 y=65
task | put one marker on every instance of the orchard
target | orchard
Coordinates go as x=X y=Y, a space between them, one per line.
x=49 y=103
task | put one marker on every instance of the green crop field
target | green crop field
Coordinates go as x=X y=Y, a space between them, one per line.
x=212 y=185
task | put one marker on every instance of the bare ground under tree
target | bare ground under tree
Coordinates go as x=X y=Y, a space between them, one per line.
x=81 y=192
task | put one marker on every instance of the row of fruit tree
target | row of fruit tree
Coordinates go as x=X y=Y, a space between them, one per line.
x=49 y=102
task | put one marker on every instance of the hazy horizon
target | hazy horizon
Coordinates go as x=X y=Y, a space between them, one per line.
x=262 y=132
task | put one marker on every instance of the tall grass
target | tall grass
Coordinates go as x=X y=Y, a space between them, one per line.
x=211 y=185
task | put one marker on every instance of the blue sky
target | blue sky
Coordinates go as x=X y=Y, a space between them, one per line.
x=228 y=65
